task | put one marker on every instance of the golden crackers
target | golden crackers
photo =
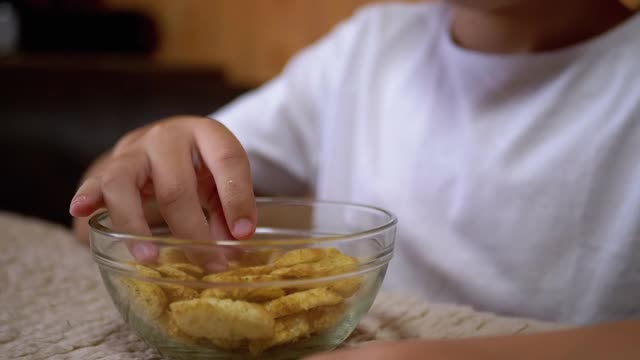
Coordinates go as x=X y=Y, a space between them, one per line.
x=172 y=272
x=258 y=294
x=302 y=301
x=322 y=267
x=303 y=256
x=237 y=312
x=188 y=268
x=222 y=319
x=146 y=271
x=286 y=330
x=298 y=326
x=145 y=299
x=171 y=255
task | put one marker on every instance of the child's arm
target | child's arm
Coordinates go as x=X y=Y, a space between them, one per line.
x=615 y=341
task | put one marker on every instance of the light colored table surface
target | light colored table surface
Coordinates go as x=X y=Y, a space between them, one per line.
x=53 y=305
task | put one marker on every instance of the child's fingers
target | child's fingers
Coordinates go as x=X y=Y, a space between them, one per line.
x=176 y=192
x=219 y=229
x=209 y=256
x=212 y=258
x=142 y=251
x=158 y=162
x=121 y=195
x=88 y=198
x=175 y=185
x=120 y=186
x=229 y=164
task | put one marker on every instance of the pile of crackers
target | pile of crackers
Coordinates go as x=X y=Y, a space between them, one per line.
x=242 y=311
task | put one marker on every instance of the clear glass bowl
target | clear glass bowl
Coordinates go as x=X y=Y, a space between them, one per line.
x=279 y=300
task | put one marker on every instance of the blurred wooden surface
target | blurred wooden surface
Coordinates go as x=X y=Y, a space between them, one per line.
x=250 y=39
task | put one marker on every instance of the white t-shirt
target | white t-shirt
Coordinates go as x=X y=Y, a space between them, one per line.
x=515 y=178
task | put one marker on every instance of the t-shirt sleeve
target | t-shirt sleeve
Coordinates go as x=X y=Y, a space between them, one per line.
x=280 y=123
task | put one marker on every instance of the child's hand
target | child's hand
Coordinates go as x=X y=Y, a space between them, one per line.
x=185 y=163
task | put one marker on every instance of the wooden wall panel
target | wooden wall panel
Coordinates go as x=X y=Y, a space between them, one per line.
x=250 y=39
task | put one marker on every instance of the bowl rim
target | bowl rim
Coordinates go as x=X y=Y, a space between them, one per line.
x=97 y=227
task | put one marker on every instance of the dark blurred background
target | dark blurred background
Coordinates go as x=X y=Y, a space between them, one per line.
x=75 y=75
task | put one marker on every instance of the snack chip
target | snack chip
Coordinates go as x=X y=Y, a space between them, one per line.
x=303 y=256
x=257 y=257
x=146 y=299
x=302 y=301
x=171 y=272
x=287 y=329
x=245 y=318
x=346 y=287
x=176 y=292
x=190 y=269
x=171 y=255
x=166 y=322
x=295 y=327
x=325 y=317
x=146 y=271
x=326 y=266
x=229 y=344
x=222 y=319
x=233 y=276
x=258 y=294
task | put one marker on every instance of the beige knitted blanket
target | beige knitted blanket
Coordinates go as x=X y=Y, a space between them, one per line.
x=53 y=305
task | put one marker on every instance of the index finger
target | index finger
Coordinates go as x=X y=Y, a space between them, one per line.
x=228 y=162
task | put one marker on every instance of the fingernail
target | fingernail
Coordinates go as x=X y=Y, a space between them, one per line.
x=77 y=199
x=144 y=252
x=76 y=202
x=242 y=228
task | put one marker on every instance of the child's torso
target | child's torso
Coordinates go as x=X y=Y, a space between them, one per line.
x=516 y=179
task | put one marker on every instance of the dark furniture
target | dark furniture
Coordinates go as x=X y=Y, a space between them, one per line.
x=57 y=113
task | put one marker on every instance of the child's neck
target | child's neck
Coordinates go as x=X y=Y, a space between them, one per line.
x=535 y=25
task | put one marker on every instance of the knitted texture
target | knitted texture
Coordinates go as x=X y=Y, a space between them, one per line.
x=53 y=305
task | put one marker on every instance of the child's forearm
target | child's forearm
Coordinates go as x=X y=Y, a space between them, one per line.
x=607 y=341
x=616 y=341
